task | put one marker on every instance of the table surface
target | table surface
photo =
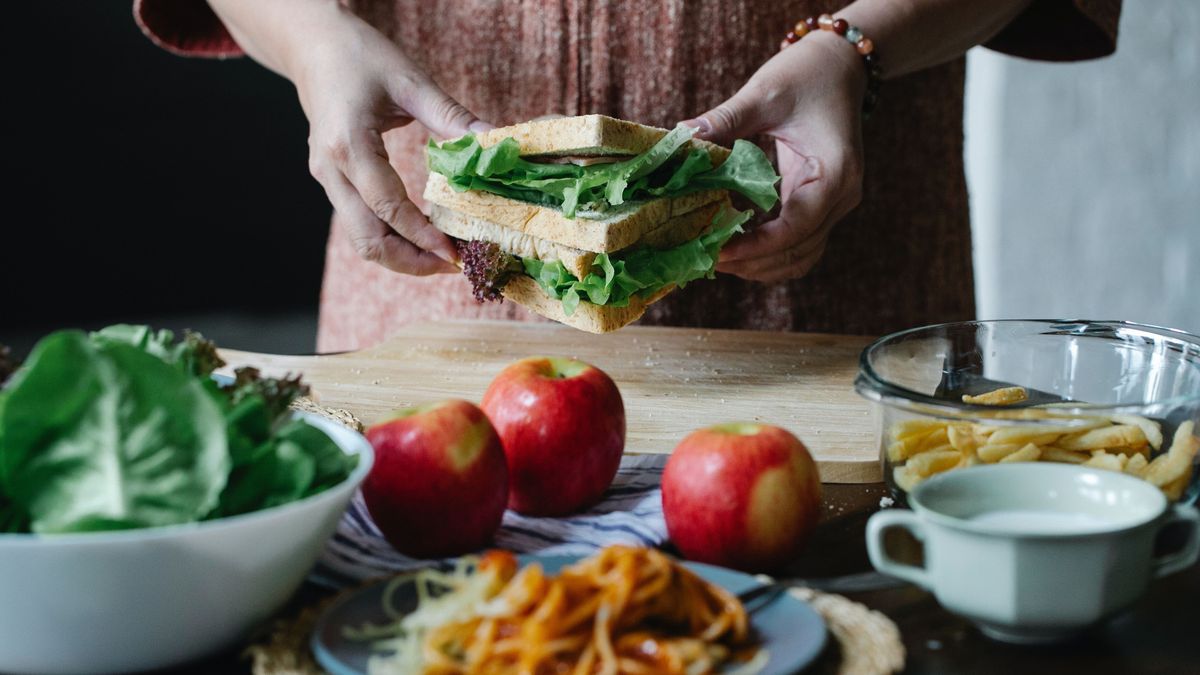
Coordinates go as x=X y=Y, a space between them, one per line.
x=1161 y=634
x=673 y=380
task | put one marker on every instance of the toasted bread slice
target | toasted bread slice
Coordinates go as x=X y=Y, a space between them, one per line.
x=587 y=135
x=524 y=291
x=684 y=227
x=509 y=240
x=673 y=232
x=606 y=232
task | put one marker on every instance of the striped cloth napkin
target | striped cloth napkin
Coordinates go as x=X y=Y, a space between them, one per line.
x=630 y=513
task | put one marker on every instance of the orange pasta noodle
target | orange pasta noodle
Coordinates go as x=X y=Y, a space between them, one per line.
x=622 y=611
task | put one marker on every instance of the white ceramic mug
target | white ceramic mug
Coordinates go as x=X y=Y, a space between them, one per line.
x=1035 y=552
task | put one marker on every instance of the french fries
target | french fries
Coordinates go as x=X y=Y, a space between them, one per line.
x=936 y=461
x=1029 y=453
x=1150 y=428
x=994 y=452
x=920 y=448
x=1102 y=460
x=1118 y=435
x=1053 y=454
x=1002 y=396
x=1136 y=466
x=1177 y=462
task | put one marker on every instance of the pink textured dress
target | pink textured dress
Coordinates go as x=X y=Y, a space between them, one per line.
x=901 y=259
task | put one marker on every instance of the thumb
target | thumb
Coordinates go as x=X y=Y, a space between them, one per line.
x=439 y=113
x=738 y=117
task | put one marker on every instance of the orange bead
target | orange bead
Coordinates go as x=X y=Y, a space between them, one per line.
x=800 y=29
x=825 y=21
x=865 y=46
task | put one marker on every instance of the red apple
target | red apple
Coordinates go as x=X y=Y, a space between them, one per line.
x=440 y=482
x=741 y=495
x=562 y=424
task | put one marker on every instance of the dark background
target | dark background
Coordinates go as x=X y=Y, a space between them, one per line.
x=146 y=187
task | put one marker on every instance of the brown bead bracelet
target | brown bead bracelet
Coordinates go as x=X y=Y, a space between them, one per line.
x=853 y=35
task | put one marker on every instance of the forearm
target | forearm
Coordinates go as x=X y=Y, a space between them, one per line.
x=911 y=35
x=273 y=32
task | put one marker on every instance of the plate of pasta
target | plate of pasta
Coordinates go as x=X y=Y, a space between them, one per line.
x=623 y=610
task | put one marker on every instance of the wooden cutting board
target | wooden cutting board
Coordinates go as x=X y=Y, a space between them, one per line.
x=673 y=380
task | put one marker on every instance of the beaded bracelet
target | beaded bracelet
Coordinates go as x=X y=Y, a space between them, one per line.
x=853 y=35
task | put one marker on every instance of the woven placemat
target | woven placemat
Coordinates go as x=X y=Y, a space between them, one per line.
x=343 y=417
x=865 y=641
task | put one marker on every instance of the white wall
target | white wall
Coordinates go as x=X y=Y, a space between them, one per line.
x=1085 y=177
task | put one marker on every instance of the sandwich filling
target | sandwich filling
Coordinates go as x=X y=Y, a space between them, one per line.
x=643 y=272
x=612 y=281
x=661 y=171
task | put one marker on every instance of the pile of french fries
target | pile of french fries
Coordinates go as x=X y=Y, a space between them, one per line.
x=920 y=448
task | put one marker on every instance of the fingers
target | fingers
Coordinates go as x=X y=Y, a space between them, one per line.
x=791 y=245
x=381 y=190
x=779 y=265
x=762 y=103
x=364 y=163
x=347 y=156
x=766 y=258
x=802 y=99
x=432 y=107
x=738 y=117
x=374 y=239
x=807 y=200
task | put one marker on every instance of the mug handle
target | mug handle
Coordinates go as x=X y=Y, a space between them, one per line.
x=880 y=523
x=1180 y=560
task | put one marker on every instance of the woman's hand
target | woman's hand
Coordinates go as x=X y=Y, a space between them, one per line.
x=354 y=84
x=808 y=98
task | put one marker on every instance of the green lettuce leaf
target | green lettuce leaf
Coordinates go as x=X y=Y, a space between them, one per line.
x=193 y=354
x=661 y=171
x=11 y=519
x=277 y=471
x=297 y=461
x=453 y=158
x=643 y=272
x=746 y=171
x=276 y=458
x=107 y=436
x=616 y=177
x=126 y=428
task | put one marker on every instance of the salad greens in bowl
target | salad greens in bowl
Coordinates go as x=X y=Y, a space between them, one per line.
x=136 y=485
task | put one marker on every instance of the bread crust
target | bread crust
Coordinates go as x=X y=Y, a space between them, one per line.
x=587 y=317
x=616 y=229
x=587 y=135
x=672 y=232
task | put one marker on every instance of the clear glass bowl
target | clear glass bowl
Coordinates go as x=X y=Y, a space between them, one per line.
x=1080 y=376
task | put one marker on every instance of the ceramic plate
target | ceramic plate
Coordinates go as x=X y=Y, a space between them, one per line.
x=790 y=630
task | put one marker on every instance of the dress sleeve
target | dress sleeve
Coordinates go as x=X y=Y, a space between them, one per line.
x=1061 y=30
x=185 y=27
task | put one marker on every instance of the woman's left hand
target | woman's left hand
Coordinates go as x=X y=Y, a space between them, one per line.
x=809 y=99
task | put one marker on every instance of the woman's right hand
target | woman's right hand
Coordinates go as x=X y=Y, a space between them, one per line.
x=354 y=84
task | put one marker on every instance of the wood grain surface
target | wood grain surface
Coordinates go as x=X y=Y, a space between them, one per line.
x=673 y=380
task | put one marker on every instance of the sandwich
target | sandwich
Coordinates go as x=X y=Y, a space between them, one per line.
x=588 y=220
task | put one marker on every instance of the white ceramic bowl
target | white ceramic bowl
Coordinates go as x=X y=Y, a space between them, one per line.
x=143 y=599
